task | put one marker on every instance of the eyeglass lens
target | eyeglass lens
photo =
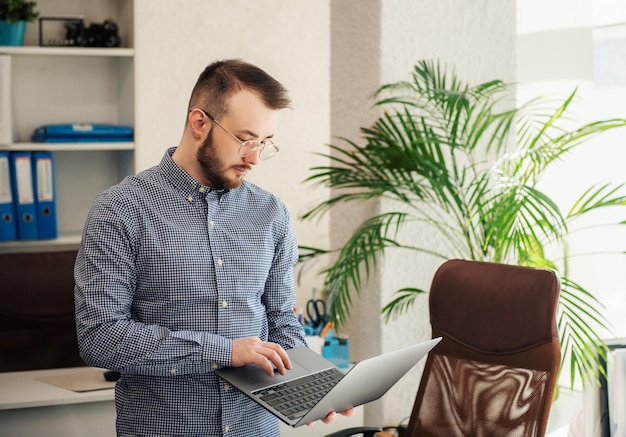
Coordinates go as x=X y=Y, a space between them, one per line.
x=268 y=149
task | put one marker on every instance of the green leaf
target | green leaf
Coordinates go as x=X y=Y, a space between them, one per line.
x=401 y=303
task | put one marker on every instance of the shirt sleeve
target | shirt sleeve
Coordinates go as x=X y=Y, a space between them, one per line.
x=279 y=297
x=105 y=280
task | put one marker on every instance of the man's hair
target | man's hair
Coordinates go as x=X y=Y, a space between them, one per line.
x=222 y=79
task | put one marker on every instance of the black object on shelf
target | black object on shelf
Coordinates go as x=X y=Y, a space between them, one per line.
x=74 y=33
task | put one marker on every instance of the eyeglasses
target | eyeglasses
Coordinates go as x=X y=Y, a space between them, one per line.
x=248 y=147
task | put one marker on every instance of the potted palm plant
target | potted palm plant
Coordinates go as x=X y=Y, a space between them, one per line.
x=14 y=14
x=463 y=161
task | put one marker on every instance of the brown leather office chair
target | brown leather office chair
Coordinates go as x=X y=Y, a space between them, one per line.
x=495 y=371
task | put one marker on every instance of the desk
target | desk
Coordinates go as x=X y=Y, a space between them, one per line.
x=30 y=408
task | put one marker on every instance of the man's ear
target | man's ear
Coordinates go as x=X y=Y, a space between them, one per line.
x=199 y=124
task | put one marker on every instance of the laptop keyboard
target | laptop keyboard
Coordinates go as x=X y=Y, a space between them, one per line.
x=295 y=398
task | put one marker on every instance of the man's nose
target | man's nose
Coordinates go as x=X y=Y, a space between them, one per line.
x=253 y=158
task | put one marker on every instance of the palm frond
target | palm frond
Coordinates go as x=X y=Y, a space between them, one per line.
x=598 y=196
x=358 y=257
x=579 y=321
x=401 y=303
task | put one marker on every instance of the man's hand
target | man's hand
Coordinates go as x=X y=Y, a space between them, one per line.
x=332 y=416
x=268 y=355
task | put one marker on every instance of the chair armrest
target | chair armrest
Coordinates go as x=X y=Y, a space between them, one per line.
x=367 y=431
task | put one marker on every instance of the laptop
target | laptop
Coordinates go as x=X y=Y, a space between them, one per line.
x=315 y=386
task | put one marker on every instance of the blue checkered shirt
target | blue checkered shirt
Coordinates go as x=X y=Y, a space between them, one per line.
x=168 y=273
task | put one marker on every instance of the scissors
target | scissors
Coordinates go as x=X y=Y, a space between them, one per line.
x=316 y=312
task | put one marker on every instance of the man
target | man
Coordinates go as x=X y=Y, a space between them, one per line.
x=186 y=268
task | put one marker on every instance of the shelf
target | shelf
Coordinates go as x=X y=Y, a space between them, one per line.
x=70 y=147
x=64 y=242
x=68 y=51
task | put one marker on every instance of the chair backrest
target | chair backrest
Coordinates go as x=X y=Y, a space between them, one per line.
x=495 y=370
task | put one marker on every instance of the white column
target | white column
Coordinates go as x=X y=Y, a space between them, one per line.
x=376 y=42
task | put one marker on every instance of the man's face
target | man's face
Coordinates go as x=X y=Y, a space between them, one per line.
x=218 y=156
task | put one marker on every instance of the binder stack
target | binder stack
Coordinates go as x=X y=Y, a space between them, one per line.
x=82 y=132
x=27 y=196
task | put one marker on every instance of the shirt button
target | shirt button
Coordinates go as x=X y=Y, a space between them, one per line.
x=172 y=371
x=214 y=366
x=190 y=198
x=226 y=387
x=201 y=189
x=226 y=428
x=220 y=262
x=224 y=304
x=211 y=223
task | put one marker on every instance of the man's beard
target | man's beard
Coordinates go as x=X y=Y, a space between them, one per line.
x=212 y=167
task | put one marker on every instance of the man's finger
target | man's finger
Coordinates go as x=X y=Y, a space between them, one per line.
x=330 y=417
x=281 y=356
x=277 y=359
x=273 y=357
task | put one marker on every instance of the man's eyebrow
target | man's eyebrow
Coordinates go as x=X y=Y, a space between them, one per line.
x=252 y=134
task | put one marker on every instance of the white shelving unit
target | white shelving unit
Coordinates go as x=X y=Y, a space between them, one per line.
x=70 y=147
x=69 y=51
x=74 y=85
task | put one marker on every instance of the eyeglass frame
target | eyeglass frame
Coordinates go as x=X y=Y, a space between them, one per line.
x=242 y=144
